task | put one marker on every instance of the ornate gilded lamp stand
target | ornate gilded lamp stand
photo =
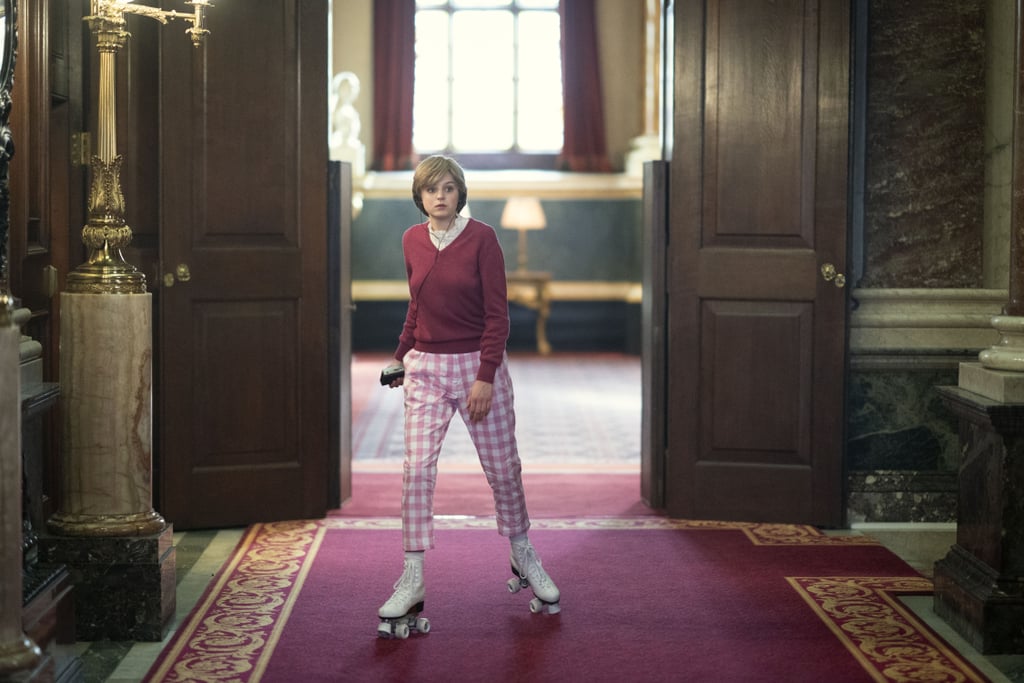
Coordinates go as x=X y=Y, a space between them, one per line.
x=106 y=347
x=106 y=234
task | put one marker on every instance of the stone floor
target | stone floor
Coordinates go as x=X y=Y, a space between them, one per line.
x=921 y=545
x=199 y=556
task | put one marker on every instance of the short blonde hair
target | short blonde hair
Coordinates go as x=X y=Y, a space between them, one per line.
x=429 y=171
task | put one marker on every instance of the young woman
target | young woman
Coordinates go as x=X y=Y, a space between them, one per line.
x=451 y=358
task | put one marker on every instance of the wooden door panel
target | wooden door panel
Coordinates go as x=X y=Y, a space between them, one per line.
x=339 y=354
x=241 y=417
x=771 y=495
x=758 y=204
x=766 y=274
x=243 y=337
x=653 y=312
x=759 y=407
x=757 y=124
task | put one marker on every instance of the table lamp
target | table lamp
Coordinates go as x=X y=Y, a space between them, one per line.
x=522 y=214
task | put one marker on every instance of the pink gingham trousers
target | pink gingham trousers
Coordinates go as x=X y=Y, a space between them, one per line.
x=436 y=386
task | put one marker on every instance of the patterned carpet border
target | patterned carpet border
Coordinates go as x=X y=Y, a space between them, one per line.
x=884 y=636
x=758 y=533
x=233 y=631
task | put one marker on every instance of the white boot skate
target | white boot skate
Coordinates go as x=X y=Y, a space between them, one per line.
x=528 y=571
x=401 y=613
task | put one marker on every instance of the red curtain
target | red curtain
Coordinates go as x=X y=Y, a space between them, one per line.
x=584 y=147
x=394 y=63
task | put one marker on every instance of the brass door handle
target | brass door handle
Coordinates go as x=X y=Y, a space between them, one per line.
x=828 y=271
x=181 y=271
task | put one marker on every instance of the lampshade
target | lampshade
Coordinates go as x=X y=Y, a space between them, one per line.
x=523 y=213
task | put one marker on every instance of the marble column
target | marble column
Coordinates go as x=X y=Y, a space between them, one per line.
x=1008 y=354
x=979 y=584
x=106 y=370
x=17 y=652
x=118 y=548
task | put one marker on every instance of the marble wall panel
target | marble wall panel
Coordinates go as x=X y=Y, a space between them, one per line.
x=902 y=450
x=925 y=174
x=897 y=421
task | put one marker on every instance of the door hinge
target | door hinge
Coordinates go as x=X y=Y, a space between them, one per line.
x=80 y=149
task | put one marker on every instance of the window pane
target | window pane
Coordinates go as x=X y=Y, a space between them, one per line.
x=540 y=83
x=480 y=4
x=482 y=68
x=430 y=96
x=475 y=92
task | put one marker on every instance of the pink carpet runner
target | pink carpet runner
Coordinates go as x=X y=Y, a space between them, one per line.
x=644 y=599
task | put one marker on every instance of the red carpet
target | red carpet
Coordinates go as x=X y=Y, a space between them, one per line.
x=547 y=495
x=646 y=599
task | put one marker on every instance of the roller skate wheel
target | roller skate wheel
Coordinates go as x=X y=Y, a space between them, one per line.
x=514 y=586
x=554 y=608
x=536 y=605
x=384 y=630
x=402 y=630
x=423 y=625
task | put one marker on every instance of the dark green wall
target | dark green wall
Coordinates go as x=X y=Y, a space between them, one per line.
x=588 y=240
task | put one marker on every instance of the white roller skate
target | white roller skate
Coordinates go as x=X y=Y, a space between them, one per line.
x=400 y=615
x=528 y=571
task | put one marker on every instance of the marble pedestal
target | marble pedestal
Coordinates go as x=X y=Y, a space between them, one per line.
x=979 y=585
x=106 y=350
x=17 y=652
x=124 y=585
x=117 y=548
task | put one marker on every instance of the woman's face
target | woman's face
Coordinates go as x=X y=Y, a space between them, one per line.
x=441 y=199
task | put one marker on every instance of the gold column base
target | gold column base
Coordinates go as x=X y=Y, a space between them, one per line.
x=106 y=272
x=20 y=655
x=137 y=524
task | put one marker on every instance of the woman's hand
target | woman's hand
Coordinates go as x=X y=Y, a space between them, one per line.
x=398 y=369
x=479 y=403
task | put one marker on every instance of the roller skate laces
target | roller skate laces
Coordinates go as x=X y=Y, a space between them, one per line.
x=529 y=572
x=400 y=614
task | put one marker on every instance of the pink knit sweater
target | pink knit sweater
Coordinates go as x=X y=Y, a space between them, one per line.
x=459 y=301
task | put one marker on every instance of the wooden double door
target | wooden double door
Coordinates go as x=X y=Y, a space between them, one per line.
x=755 y=205
x=227 y=188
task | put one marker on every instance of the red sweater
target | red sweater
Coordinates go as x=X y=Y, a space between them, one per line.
x=458 y=297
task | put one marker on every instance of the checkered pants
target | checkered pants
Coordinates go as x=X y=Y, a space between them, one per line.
x=436 y=386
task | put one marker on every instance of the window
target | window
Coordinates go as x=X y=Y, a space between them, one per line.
x=489 y=82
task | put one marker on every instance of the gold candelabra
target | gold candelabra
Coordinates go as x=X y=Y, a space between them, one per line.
x=107 y=232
